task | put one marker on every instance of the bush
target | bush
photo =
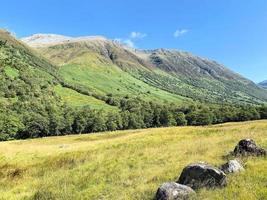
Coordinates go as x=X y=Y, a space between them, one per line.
x=200 y=118
x=180 y=119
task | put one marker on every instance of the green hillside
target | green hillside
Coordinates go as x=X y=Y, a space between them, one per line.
x=91 y=72
x=128 y=164
x=106 y=66
x=78 y=100
x=33 y=102
x=23 y=72
x=26 y=71
x=103 y=78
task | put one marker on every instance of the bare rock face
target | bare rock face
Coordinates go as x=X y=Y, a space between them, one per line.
x=248 y=147
x=232 y=166
x=202 y=175
x=174 y=191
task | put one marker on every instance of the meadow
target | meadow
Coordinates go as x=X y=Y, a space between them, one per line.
x=128 y=164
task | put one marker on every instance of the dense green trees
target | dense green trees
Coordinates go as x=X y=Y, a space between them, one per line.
x=10 y=124
x=47 y=115
x=263 y=112
x=180 y=119
x=201 y=117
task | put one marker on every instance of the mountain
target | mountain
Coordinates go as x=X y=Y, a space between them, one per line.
x=263 y=84
x=104 y=66
x=94 y=72
x=26 y=76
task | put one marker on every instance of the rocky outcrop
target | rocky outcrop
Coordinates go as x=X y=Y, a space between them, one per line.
x=202 y=175
x=248 y=147
x=232 y=166
x=174 y=191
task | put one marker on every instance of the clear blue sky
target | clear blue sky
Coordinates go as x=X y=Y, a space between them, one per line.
x=233 y=32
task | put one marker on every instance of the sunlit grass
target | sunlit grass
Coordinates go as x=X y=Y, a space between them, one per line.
x=75 y=99
x=11 y=72
x=102 y=78
x=127 y=164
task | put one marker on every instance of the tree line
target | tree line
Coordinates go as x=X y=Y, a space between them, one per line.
x=47 y=116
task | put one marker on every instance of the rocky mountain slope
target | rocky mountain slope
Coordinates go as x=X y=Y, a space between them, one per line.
x=101 y=65
x=263 y=84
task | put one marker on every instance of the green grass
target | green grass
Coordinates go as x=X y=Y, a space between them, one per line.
x=103 y=78
x=11 y=72
x=127 y=164
x=76 y=99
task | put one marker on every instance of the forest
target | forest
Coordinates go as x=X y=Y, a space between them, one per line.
x=48 y=116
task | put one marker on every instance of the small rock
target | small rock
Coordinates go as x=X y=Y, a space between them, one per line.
x=201 y=175
x=232 y=166
x=174 y=191
x=248 y=147
x=63 y=146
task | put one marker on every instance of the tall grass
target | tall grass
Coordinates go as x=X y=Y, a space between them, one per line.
x=127 y=164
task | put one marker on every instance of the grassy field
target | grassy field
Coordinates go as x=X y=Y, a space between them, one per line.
x=75 y=99
x=127 y=164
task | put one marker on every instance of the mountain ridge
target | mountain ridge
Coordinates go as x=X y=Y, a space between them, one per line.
x=68 y=39
x=263 y=84
x=41 y=39
x=174 y=71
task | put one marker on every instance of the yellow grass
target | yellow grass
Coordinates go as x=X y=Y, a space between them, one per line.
x=128 y=164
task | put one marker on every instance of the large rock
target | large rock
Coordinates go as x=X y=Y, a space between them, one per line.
x=248 y=147
x=232 y=166
x=174 y=191
x=201 y=175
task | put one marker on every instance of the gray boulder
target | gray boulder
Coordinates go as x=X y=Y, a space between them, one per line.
x=202 y=175
x=248 y=147
x=232 y=166
x=174 y=191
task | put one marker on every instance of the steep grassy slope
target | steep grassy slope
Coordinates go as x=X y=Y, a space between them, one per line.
x=25 y=74
x=103 y=79
x=76 y=99
x=127 y=164
x=83 y=67
x=175 y=72
x=206 y=77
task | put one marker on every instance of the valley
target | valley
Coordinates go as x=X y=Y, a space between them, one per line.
x=133 y=100
x=62 y=85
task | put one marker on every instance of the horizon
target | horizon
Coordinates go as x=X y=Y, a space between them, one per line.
x=235 y=39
